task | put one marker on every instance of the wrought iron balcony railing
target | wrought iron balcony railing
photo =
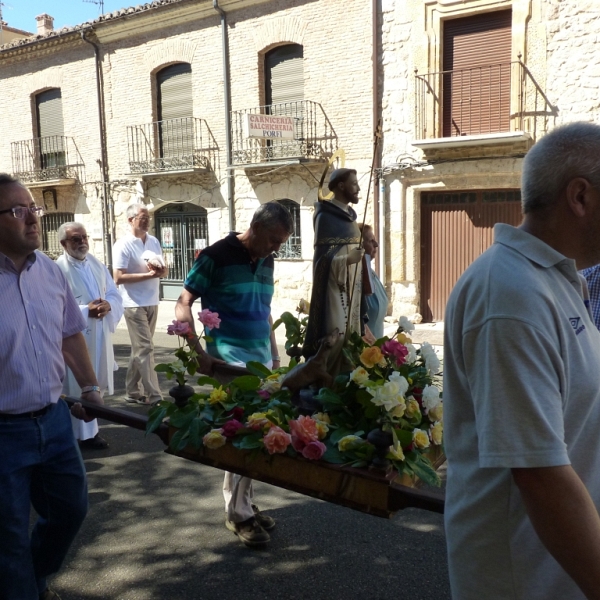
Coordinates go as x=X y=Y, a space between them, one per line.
x=171 y=145
x=46 y=158
x=311 y=135
x=495 y=98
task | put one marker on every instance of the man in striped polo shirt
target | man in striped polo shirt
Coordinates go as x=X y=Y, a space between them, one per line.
x=234 y=277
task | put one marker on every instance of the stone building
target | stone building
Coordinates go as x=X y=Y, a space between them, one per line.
x=203 y=109
x=162 y=103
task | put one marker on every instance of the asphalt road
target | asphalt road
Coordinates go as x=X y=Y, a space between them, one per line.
x=155 y=531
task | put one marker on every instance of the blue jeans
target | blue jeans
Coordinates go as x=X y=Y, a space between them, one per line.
x=40 y=466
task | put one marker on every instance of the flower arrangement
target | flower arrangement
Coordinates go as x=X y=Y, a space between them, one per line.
x=186 y=363
x=387 y=412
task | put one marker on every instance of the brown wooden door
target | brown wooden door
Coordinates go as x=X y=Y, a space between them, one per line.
x=456 y=227
x=476 y=79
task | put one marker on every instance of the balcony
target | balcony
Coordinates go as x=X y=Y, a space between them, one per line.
x=42 y=160
x=289 y=132
x=185 y=144
x=492 y=105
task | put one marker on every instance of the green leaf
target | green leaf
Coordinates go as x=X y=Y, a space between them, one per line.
x=246 y=383
x=205 y=380
x=249 y=442
x=334 y=456
x=404 y=437
x=208 y=339
x=329 y=398
x=423 y=469
x=258 y=369
x=181 y=419
x=163 y=368
x=198 y=427
x=155 y=418
x=179 y=440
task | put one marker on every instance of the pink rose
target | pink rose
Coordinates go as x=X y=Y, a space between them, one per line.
x=179 y=328
x=209 y=319
x=264 y=394
x=395 y=349
x=230 y=428
x=277 y=440
x=304 y=428
x=314 y=450
x=297 y=444
x=236 y=413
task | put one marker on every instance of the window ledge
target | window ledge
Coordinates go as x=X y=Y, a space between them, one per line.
x=288 y=162
x=465 y=141
x=50 y=183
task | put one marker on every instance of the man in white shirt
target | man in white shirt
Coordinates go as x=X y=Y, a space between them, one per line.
x=522 y=391
x=101 y=305
x=137 y=277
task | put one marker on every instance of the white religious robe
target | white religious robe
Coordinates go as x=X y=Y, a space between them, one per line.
x=89 y=280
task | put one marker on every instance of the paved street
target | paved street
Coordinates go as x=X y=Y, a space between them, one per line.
x=155 y=531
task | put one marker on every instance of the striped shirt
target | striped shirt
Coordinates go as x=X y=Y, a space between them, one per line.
x=38 y=311
x=592 y=276
x=229 y=283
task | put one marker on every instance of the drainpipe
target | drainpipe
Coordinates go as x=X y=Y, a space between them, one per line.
x=378 y=218
x=227 y=99
x=107 y=212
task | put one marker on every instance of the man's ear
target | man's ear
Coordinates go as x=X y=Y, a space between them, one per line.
x=63 y=243
x=580 y=197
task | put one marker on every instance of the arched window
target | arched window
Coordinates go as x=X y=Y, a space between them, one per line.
x=284 y=75
x=292 y=249
x=50 y=129
x=175 y=111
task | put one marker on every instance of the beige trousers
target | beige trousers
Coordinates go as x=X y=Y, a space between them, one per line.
x=141 y=377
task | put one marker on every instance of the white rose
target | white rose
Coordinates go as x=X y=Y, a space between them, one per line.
x=412 y=353
x=431 y=397
x=387 y=395
x=406 y=325
x=400 y=381
x=359 y=376
x=432 y=362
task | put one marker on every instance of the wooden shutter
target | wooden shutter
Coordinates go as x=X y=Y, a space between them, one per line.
x=175 y=111
x=284 y=73
x=49 y=113
x=476 y=94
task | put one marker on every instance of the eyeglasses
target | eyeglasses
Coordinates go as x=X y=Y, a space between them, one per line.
x=20 y=212
x=77 y=239
x=141 y=218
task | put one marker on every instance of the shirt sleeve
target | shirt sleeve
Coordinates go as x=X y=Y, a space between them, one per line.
x=200 y=276
x=517 y=378
x=113 y=297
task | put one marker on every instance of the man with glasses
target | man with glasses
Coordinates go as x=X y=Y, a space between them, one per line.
x=40 y=463
x=139 y=287
x=101 y=305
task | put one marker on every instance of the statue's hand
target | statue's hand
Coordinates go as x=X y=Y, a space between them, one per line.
x=355 y=255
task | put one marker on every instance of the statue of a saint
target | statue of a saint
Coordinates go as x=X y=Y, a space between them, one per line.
x=336 y=299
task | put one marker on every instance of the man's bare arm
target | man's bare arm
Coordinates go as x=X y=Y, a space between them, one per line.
x=76 y=357
x=566 y=520
x=183 y=313
x=274 y=349
x=122 y=276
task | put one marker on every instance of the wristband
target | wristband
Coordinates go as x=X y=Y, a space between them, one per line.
x=276 y=358
x=90 y=388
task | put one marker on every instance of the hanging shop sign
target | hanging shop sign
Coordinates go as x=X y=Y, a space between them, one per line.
x=269 y=127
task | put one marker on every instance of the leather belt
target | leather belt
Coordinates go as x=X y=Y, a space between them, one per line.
x=27 y=415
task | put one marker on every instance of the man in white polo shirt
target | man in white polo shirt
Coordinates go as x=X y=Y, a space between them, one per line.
x=137 y=263
x=522 y=391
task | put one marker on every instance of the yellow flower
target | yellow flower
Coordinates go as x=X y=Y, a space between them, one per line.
x=359 y=376
x=413 y=410
x=217 y=395
x=349 y=442
x=403 y=339
x=371 y=356
x=399 y=410
x=214 y=439
x=303 y=307
x=437 y=433
x=322 y=430
x=436 y=413
x=420 y=438
x=396 y=452
x=257 y=421
x=323 y=417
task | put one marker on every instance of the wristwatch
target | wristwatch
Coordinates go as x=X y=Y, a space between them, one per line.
x=90 y=388
x=276 y=358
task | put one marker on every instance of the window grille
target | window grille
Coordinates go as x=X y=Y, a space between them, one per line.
x=50 y=223
x=292 y=249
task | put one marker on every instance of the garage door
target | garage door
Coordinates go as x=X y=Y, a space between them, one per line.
x=456 y=227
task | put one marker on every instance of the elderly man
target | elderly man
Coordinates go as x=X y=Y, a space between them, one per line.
x=336 y=299
x=138 y=265
x=522 y=391
x=101 y=305
x=40 y=463
x=242 y=262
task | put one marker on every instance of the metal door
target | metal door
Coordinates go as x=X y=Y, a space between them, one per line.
x=182 y=230
x=456 y=227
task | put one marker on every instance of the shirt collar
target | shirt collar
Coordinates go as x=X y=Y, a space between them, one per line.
x=529 y=246
x=6 y=264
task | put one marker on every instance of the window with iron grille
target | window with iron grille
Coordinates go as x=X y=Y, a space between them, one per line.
x=50 y=223
x=292 y=249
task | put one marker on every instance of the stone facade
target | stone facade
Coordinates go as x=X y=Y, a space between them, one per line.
x=550 y=37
